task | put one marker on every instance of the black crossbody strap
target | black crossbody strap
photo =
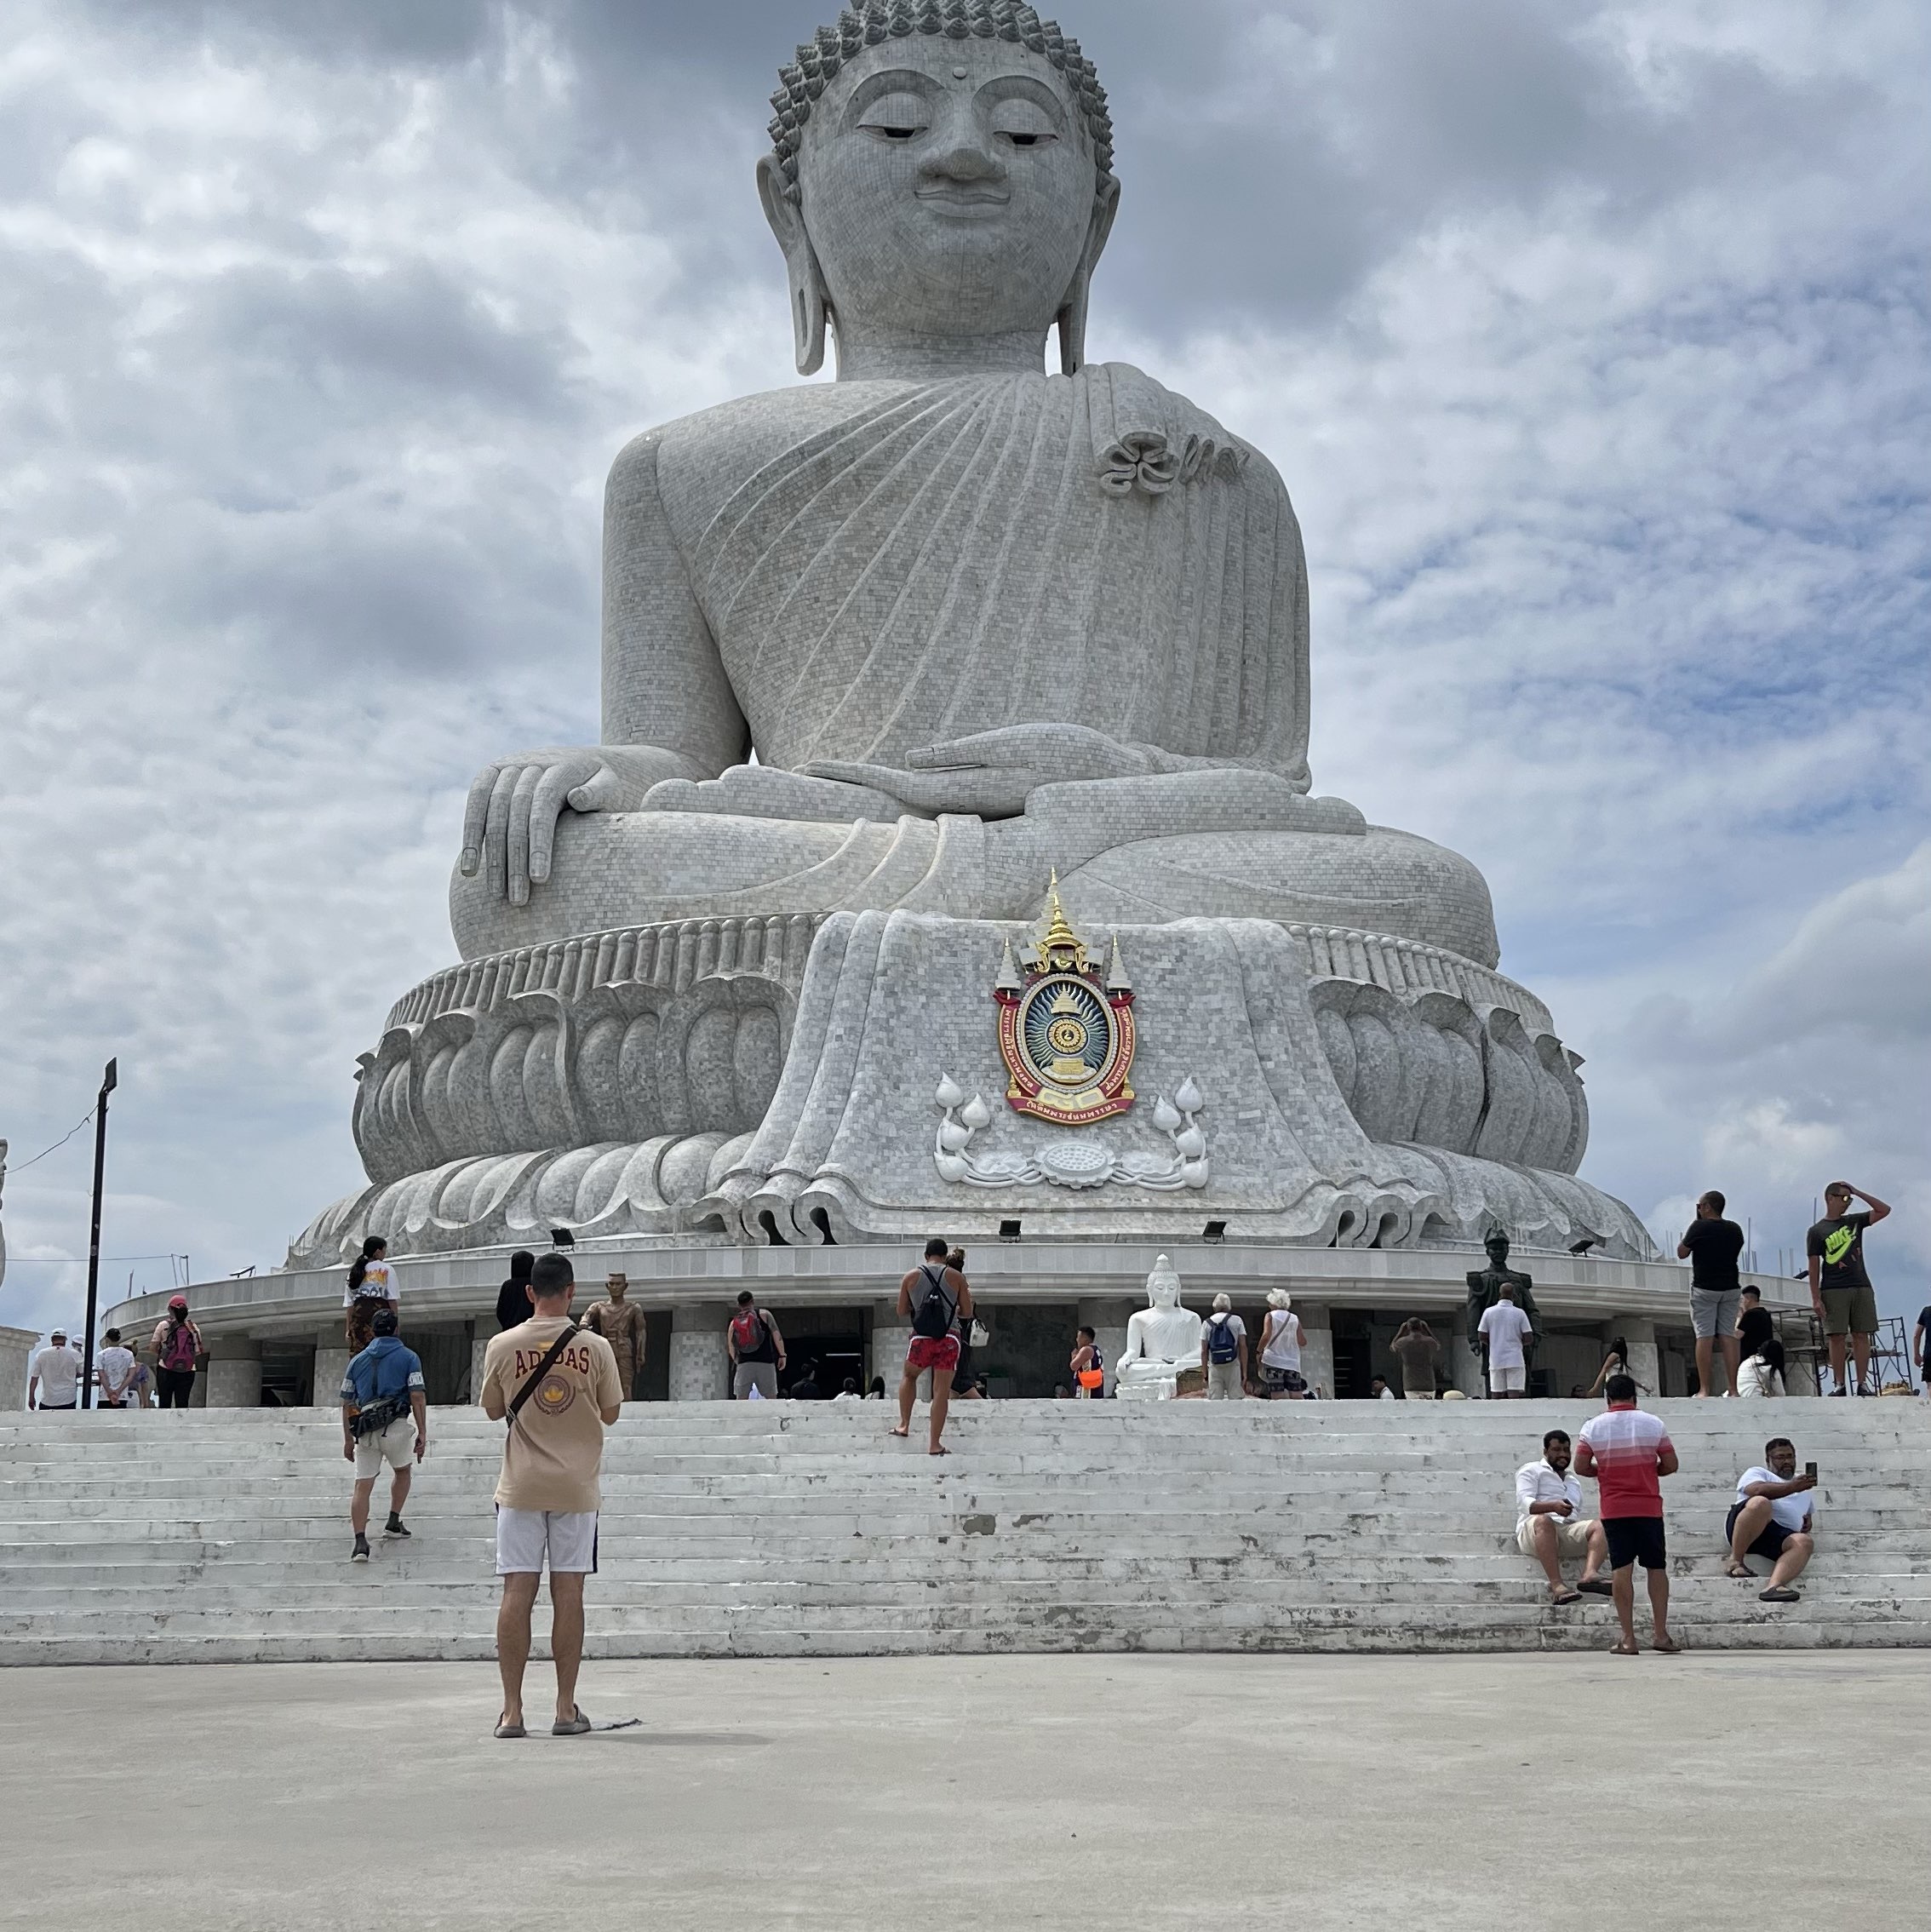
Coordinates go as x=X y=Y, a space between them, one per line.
x=542 y=1369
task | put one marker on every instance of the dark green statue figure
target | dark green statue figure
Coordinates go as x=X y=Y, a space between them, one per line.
x=1484 y=1290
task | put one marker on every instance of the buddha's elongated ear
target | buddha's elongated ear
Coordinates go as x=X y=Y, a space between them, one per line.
x=811 y=303
x=1072 y=317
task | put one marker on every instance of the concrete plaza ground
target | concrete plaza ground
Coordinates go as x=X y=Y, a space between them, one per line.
x=1724 y=1789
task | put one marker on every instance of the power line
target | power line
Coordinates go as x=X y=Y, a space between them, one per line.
x=79 y=1260
x=21 y=1167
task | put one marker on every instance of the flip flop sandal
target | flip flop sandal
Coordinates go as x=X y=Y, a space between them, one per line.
x=939 y=1452
x=573 y=1726
x=505 y=1729
x=1621 y=1649
x=1567 y=1597
x=1668 y=1648
x=902 y=1433
x=1595 y=1586
x=1742 y=1573
x=1780 y=1596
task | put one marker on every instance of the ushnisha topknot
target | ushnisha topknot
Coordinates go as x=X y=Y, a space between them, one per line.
x=872 y=22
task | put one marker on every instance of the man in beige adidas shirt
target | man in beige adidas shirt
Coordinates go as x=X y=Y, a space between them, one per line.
x=546 y=1496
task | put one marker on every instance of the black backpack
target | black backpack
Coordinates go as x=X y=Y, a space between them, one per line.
x=1224 y=1345
x=932 y=1317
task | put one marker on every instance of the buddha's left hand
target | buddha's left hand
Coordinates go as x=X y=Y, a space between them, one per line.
x=992 y=773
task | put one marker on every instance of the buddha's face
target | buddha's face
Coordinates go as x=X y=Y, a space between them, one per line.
x=949 y=188
x=1163 y=1286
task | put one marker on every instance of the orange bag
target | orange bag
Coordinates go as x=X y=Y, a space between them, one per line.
x=1093 y=1377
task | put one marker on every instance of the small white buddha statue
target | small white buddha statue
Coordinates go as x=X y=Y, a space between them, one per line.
x=1162 y=1338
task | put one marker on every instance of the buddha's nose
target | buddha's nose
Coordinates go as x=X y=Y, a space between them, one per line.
x=966 y=160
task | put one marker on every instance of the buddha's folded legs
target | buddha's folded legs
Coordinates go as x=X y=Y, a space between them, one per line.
x=615 y=869
x=1384 y=882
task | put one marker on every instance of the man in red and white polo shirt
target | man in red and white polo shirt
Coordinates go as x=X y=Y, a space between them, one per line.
x=1627 y=1450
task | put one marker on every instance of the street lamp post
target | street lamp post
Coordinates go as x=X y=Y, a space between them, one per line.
x=109 y=1081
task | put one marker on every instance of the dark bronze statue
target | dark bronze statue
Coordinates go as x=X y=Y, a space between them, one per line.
x=1484 y=1290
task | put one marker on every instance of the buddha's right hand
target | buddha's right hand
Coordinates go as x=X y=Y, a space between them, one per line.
x=509 y=828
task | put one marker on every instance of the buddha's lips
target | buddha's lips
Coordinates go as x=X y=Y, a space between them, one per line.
x=963 y=198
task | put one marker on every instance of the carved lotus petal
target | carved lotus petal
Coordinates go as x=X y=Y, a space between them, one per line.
x=977 y=1114
x=950 y=1166
x=950 y=1094
x=1189 y=1099
x=1192 y=1143
x=1195 y=1174
x=1165 y=1115
x=1076 y=1163
x=953 y=1138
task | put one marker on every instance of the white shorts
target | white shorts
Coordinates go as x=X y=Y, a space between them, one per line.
x=395 y=1445
x=1572 y=1537
x=1505 y=1381
x=567 y=1538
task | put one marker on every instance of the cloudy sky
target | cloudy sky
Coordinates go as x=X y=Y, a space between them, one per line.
x=1591 y=340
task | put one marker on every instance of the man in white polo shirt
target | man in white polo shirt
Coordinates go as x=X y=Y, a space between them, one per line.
x=1772 y=1518
x=1503 y=1328
x=1550 y=1524
x=558 y=1388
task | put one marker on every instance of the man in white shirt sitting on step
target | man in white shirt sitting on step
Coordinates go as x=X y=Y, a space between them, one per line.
x=1772 y=1518
x=1550 y=1524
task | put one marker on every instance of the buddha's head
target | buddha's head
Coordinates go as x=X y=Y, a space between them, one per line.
x=1163 y=1284
x=943 y=172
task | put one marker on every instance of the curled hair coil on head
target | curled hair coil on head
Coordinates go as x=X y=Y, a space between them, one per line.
x=873 y=22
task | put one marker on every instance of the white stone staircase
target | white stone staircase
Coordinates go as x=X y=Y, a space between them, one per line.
x=783 y=1529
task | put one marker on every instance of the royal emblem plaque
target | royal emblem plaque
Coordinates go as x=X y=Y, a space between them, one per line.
x=1065 y=1030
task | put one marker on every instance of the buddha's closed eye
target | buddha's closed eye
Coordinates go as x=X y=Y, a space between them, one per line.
x=1022 y=123
x=895 y=117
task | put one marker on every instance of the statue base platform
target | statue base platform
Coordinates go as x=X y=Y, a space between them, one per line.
x=1151 y=1389
x=807 y=1082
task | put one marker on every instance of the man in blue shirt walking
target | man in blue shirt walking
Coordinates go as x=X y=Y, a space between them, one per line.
x=384 y=1420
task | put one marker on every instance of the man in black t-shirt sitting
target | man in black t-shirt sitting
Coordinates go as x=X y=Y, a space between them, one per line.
x=1711 y=1246
x=1761 y=1372
x=1839 y=1290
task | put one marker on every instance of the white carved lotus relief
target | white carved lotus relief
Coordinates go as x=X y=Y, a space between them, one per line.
x=1080 y=1161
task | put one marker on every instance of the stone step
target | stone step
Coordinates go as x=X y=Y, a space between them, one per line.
x=785 y=1530
x=1176 y=1538
x=1040 y=1424
x=36 y=1587
x=1083 y=1619
x=1254 y=1466
x=395 y=1592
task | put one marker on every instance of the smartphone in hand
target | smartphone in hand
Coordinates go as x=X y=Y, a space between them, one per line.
x=1810 y=1469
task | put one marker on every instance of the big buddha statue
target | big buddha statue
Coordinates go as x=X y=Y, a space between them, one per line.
x=882 y=654
x=975 y=619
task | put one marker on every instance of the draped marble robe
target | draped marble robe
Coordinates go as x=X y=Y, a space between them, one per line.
x=945 y=558
x=882 y=567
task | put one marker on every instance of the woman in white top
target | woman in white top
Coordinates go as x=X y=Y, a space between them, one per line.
x=371 y=1286
x=1281 y=1336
